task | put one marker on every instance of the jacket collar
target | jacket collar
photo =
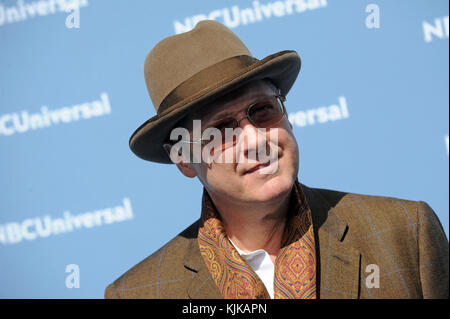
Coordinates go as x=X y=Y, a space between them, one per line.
x=338 y=264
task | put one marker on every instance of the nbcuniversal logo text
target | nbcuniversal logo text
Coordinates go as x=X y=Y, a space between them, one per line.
x=235 y=16
x=45 y=226
x=320 y=115
x=438 y=29
x=21 y=122
x=24 y=10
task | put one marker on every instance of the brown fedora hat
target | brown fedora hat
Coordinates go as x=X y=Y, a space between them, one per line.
x=187 y=71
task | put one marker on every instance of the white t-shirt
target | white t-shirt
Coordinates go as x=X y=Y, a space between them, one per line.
x=261 y=263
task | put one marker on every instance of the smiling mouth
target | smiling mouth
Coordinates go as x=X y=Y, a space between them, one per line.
x=257 y=167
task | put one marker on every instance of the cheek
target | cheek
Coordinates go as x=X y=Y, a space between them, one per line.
x=221 y=178
x=216 y=173
x=288 y=147
x=283 y=137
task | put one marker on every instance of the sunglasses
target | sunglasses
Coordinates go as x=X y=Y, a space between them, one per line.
x=263 y=113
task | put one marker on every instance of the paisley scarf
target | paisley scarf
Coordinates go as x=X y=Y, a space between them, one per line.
x=295 y=266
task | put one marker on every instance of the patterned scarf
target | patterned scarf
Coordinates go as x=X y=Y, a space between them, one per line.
x=295 y=266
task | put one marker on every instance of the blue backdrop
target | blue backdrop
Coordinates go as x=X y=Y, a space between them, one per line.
x=369 y=109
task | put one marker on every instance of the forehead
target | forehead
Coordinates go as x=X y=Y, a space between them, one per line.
x=236 y=100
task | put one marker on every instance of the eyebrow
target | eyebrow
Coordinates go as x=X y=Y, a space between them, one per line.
x=221 y=115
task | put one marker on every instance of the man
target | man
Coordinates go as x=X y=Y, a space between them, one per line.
x=261 y=233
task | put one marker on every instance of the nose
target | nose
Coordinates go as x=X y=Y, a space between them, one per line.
x=252 y=142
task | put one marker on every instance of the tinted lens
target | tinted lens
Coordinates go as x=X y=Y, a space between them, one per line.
x=222 y=126
x=226 y=123
x=266 y=113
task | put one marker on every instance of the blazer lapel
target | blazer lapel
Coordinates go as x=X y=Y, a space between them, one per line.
x=202 y=285
x=338 y=269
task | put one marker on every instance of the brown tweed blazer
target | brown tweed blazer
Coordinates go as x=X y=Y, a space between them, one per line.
x=403 y=238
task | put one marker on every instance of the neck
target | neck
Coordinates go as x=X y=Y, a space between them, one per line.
x=253 y=227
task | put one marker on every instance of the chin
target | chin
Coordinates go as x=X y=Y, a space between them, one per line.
x=274 y=188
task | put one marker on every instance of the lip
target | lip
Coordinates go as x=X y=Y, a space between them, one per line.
x=259 y=166
x=256 y=167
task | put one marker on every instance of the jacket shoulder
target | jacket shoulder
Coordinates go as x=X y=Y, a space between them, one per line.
x=370 y=208
x=376 y=221
x=148 y=278
x=404 y=238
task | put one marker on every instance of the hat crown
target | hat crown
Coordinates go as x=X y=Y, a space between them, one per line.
x=177 y=58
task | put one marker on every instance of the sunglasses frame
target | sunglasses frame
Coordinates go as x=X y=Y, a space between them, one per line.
x=280 y=98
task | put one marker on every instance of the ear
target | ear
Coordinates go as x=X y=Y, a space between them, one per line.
x=185 y=168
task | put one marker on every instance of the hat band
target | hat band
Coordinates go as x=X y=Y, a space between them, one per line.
x=204 y=79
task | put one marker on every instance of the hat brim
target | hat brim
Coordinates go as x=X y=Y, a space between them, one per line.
x=146 y=142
